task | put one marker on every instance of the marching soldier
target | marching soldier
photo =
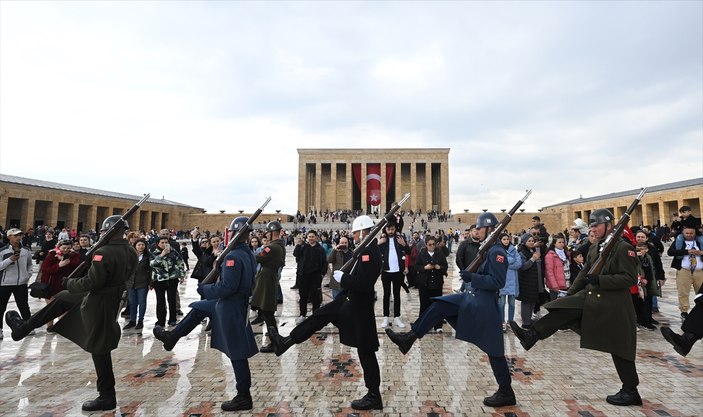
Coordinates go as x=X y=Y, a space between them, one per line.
x=90 y=305
x=272 y=258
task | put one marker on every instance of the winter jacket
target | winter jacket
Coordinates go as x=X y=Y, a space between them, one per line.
x=15 y=273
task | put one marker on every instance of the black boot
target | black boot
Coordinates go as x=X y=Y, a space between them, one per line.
x=17 y=325
x=403 y=340
x=239 y=402
x=129 y=325
x=625 y=397
x=267 y=348
x=280 y=344
x=258 y=320
x=502 y=398
x=681 y=344
x=370 y=401
x=527 y=337
x=106 y=402
x=168 y=338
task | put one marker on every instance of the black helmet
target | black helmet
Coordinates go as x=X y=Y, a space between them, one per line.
x=486 y=220
x=238 y=223
x=109 y=221
x=600 y=216
x=273 y=226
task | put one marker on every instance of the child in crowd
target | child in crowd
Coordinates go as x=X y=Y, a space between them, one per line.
x=576 y=265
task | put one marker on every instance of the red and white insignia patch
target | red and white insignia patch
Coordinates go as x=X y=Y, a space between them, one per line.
x=631 y=253
x=267 y=249
x=229 y=262
x=97 y=258
x=500 y=258
x=365 y=258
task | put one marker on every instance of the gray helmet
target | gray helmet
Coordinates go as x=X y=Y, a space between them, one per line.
x=273 y=226
x=238 y=223
x=600 y=216
x=110 y=221
x=486 y=220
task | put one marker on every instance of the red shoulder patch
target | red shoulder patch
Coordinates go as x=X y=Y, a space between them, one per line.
x=500 y=258
x=97 y=258
x=631 y=253
x=267 y=249
x=365 y=258
x=229 y=262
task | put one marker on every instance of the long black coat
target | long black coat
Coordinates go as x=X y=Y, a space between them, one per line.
x=357 y=320
x=528 y=276
x=432 y=279
x=206 y=261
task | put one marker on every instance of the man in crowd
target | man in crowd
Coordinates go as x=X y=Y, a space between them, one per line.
x=15 y=271
x=688 y=263
x=467 y=250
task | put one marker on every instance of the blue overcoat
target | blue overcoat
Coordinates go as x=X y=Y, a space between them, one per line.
x=227 y=302
x=478 y=320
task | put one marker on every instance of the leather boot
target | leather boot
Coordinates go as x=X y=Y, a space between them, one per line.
x=101 y=403
x=168 y=338
x=19 y=329
x=280 y=344
x=625 y=397
x=527 y=337
x=502 y=398
x=681 y=344
x=266 y=347
x=403 y=340
x=371 y=401
x=242 y=401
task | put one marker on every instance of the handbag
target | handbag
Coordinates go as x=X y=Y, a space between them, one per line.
x=39 y=289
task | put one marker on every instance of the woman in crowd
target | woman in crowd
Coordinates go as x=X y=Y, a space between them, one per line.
x=511 y=288
x=557 y=265
x=138 y=286
x=530 y=278
x=58 y=264
x=431 y=267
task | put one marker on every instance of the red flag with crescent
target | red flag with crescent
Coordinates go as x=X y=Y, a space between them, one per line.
x=373 y=184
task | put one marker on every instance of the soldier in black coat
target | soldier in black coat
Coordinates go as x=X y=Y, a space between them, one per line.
x=692 y=328
x=352 y=312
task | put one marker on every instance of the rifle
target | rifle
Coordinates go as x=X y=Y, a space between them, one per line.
x=491 y=239
x=614 y=236
x=347 y=267
x=215 y=273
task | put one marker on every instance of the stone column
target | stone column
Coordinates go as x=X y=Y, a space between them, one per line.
x=74 y=216
x=318 y=187
x=398 y=191
x=31 y=207
x=157 y=224
x=302 y=185
x=645 y=214
x=414 y=203
x=53 y=214
x=349 y=184
x=428 y=186
x=364 y=204
x=663 y=215
x=382 y=209
x=444 y=181
x=4 y=202
x=92 y=218
x=333 y=181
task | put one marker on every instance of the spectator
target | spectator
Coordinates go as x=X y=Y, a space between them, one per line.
x=393 y=251
x=338 y=257
x=15 y=271
x=138 y=286
x=58 y=264
x=312 y=266
x=530 y=278
x=166 y=270
x=512 y=287
x=184 y=255
x=431 y=266
x=688 y=265
x=643 y=300
x=557 y=267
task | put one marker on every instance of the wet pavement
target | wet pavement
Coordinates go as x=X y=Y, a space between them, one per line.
x=45 y=375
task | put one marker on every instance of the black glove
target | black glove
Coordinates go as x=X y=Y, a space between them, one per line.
x=698 y=299
x=593 y=279
x=465 y=275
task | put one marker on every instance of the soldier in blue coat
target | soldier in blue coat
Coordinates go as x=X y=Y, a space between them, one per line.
x=474 y=314
x=226 y=304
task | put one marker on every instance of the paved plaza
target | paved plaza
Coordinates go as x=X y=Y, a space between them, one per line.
x=45 y=375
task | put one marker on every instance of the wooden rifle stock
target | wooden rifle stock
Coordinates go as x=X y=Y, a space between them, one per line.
x=347 y=267
x=215 y=273
x=491 y=239
x=117 y=227
x=614 y=236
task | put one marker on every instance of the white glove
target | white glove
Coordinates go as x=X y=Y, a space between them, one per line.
x=338 y=276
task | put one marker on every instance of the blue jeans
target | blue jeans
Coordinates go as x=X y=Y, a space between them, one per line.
x=511 y=307
x=137 y=297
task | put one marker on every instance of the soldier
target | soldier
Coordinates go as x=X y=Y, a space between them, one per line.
x=272 y=258
x=474 y=314
x=600 y=309
x=352 y=312
x=692 y=327
x=226 y=304
x=90 y=305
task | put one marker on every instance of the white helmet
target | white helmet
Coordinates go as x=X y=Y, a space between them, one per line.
x=361 y=223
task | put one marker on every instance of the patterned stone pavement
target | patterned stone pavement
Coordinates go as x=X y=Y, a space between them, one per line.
x=47 y=376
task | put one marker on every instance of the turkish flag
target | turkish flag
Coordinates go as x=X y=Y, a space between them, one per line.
x=373 y=184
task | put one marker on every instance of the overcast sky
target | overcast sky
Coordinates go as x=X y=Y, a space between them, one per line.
x=205 y=103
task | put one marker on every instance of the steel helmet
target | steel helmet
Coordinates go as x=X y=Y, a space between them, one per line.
x=111 y=220
x=600 y=216
x=361 y=223
x=273 y=226
x=486 y=220
x=238 y=223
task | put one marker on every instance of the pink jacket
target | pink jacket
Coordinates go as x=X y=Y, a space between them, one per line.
x=554 y=271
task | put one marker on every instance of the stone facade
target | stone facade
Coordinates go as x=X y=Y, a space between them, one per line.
x=326 y=178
